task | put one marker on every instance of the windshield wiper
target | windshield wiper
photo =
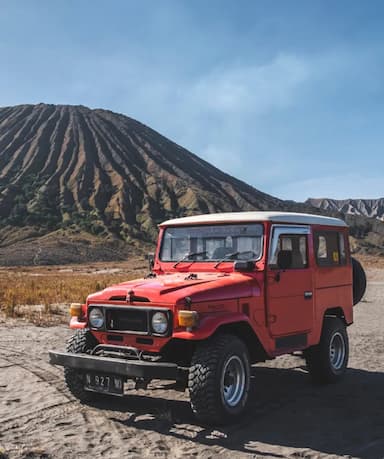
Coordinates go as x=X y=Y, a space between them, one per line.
x=188 y=255
x=231 y=255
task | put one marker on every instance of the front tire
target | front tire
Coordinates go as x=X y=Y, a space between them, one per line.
x=327 y=362
x=82 y=342
x=219 y=379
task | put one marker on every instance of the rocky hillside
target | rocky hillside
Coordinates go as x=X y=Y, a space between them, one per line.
x=373 y=208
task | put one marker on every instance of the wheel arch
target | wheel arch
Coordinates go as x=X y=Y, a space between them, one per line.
x=180 y=349
x=336 y=311
x=244 y=331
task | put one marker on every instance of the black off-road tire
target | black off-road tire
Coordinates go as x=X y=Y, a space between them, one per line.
x=206 y=379
x=327 y=361
x=82 y=342
x=359 y=281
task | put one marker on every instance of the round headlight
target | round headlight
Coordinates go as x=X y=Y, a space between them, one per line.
x=96 y=318
x=159 y=323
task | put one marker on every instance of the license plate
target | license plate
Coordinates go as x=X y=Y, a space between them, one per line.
x=106 y=384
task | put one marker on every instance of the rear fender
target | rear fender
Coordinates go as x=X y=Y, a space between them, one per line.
x=344 y=314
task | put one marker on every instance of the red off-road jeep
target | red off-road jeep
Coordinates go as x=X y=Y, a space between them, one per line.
x=225 y=291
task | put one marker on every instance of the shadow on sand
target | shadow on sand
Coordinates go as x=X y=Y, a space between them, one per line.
x=285 y=410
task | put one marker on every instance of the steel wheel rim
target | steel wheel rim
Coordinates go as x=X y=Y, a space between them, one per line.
x=233 y=381
x=337 y=351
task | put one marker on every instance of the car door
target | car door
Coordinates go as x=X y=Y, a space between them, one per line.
x=290 y=302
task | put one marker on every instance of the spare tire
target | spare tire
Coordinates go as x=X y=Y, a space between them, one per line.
x=359 y=281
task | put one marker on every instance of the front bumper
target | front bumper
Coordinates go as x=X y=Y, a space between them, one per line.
x=128 y=368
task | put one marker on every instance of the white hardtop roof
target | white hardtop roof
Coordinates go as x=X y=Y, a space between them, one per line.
x=259 y=216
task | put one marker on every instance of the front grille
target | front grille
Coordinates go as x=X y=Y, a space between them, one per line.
x=133 y=320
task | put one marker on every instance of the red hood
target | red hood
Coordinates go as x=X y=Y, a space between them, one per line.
x=172 y=288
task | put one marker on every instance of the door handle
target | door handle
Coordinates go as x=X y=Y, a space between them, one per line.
x=308 y=295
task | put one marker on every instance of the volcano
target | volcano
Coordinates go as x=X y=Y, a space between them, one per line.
x=66 y=165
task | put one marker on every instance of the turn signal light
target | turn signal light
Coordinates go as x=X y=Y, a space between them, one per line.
x=75 y=310
x=188 y=319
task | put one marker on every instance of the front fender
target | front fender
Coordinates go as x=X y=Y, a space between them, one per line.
x=209 y=323
x=75 y=324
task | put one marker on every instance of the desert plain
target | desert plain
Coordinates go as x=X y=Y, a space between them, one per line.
x=288 y=417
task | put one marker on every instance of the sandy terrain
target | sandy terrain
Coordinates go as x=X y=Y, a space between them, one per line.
x=288 y=417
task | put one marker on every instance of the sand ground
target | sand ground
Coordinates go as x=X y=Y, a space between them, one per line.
x=288 y=416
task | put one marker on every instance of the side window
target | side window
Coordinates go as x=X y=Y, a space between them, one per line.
x=295 y=247
x=329 y=248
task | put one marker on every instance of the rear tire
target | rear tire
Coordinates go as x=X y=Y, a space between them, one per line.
x=327 y=362
x=219 y=379
x=82 y=342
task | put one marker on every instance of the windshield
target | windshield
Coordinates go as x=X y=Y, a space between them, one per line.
x=212 y=243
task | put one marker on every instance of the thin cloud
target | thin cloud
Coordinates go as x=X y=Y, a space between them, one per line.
x=250 y=89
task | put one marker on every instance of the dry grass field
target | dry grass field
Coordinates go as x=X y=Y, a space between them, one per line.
x=42 y=294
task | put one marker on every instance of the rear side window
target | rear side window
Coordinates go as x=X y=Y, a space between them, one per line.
x=329 y=248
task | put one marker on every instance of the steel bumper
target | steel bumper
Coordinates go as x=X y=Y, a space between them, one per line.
x=116 y=366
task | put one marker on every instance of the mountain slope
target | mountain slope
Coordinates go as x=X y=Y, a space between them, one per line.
x=67 y=170
x=372 y=208
x=61 y=165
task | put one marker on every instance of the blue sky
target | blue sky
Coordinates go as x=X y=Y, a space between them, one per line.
x=285 y=95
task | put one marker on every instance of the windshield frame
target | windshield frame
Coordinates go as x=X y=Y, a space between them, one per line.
x=210 y=260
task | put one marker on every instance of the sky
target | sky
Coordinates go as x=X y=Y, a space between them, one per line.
x=285 y=95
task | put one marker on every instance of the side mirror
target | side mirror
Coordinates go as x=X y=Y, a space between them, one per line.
x=284 y=259
x=243 y=265
x=151 y=261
